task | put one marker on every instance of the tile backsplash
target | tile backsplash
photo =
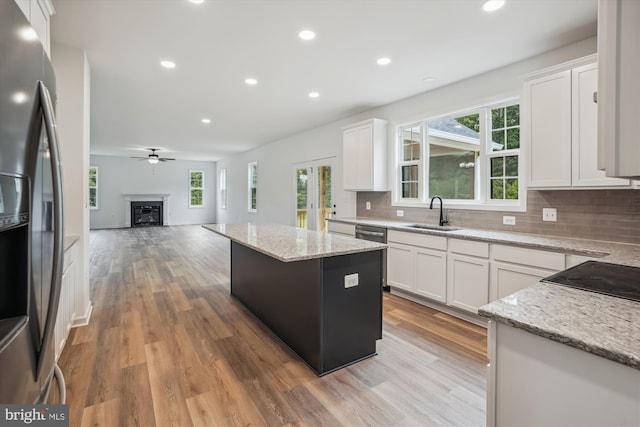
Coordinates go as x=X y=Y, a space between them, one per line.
x=609 y=215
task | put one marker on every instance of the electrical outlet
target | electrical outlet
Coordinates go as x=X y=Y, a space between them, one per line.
x=368 y=206
x=549 y=214
x=399 y=212
x=351 y=280
x=509 y=220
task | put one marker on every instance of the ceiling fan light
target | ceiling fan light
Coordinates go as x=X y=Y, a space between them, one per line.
x=153 y=159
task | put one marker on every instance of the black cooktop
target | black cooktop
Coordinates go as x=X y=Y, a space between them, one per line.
x=609 y=279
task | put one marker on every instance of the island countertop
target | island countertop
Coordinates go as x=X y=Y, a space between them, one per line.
x=289 y=244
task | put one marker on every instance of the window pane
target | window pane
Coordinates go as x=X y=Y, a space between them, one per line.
x=254 y=200
x=453 y=150
x=513 y=138
x=511 y=187
x=302 y=179
x=196 y=197
x=196 y=179
x=92 y=197
x=410 y=173
x=92 y=177
x=497 y=191
x=513 y=115
x=410 y=190
x=497 y=140
x=511 y=166
x=324 y=186
x=497 y=166
x=411 y=140
x=497 y=118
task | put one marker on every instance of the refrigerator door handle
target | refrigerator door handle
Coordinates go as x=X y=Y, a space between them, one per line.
x=58 y=245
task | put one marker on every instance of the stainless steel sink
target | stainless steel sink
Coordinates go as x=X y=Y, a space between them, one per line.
x=432 y=227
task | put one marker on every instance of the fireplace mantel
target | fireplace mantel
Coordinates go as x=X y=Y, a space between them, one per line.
x=139 y=197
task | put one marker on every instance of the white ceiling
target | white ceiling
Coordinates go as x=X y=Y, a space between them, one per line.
x=136 y=104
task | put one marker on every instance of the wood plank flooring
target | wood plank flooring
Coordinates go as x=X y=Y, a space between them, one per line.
x=168 y=346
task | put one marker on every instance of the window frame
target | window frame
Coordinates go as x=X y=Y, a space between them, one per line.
x=193 y=188
x=96 y=207
x=482 y=200
x=222 y=188
x=250 y=168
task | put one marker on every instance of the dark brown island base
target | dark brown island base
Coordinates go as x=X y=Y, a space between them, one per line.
x=320 y=294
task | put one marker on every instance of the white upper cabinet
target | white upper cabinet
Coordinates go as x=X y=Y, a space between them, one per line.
x=619 y=87
x=364 y=156
x=39 y=12
x=560 y=128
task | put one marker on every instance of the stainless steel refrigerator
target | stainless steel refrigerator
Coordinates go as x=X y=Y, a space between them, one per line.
x=31 y=215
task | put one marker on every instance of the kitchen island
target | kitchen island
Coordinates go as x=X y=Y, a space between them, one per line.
x=320 y=294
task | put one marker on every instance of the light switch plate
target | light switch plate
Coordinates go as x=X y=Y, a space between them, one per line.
x=351 y=280
x=508 y=220
x=368 y=206
x=399 y=212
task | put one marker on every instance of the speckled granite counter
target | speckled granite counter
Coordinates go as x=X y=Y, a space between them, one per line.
x=289 y=244
x=598 y=324
x=616 y=253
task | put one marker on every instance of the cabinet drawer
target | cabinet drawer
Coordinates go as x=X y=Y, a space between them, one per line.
x=468 y=247
x=417 y=239
x=342 y=228
x=530 y=257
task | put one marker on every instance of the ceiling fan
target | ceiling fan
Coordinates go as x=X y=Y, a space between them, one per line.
x=153 y=157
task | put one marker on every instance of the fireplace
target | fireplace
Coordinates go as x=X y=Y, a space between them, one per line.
x=146 y=213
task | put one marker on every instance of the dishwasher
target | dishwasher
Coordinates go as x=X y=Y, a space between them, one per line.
x=375 y=234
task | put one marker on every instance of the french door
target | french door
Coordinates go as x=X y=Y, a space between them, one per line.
x=312 y=191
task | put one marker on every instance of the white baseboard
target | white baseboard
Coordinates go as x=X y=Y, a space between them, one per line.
x=82 y=320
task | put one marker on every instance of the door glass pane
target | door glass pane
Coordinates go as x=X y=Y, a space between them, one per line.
x=325 y=207
x=302 y=185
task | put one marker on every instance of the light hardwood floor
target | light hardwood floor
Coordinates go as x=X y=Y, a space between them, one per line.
x=167 y=345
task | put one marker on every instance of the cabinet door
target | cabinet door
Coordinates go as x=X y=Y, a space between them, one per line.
x=548 y=130
x=364 y=158
x=400 y=267
x=349 y=159
x=467 y=282
x=507 y=279
x=585 y=173
x=431 y=274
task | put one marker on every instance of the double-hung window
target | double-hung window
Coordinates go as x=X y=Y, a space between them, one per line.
x=223 y=189
x=93 y=187
x=196 y=189
x=252 y=190
x=470 y=159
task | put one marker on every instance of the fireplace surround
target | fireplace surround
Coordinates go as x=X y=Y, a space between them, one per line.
x=145 y=214
x=128 y=199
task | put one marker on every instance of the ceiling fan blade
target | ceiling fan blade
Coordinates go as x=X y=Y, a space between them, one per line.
x=135 y=157
x=164 y=159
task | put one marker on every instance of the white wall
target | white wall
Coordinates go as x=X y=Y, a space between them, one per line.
x=121 y=175
x=73 y=115
x=276 y=201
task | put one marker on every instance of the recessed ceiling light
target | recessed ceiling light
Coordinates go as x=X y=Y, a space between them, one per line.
x=307 y=35
x=313 y=94
x=383 y=61
x=19 y=97
x=206 y=121
x=428 y=79
x=168 y=64
x=491 y=5
x=251 y=81
x=28 y=34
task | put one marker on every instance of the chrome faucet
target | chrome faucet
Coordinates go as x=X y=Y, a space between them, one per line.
x=442 y=220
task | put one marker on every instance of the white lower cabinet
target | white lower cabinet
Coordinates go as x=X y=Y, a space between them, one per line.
x=468 y=274
x=341 y=228
x=417 y=263
x=515 y=268
x=533 y=381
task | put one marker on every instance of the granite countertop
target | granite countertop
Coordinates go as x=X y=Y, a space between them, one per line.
x=599 y=324
x=290 y=244
x=612 y=252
